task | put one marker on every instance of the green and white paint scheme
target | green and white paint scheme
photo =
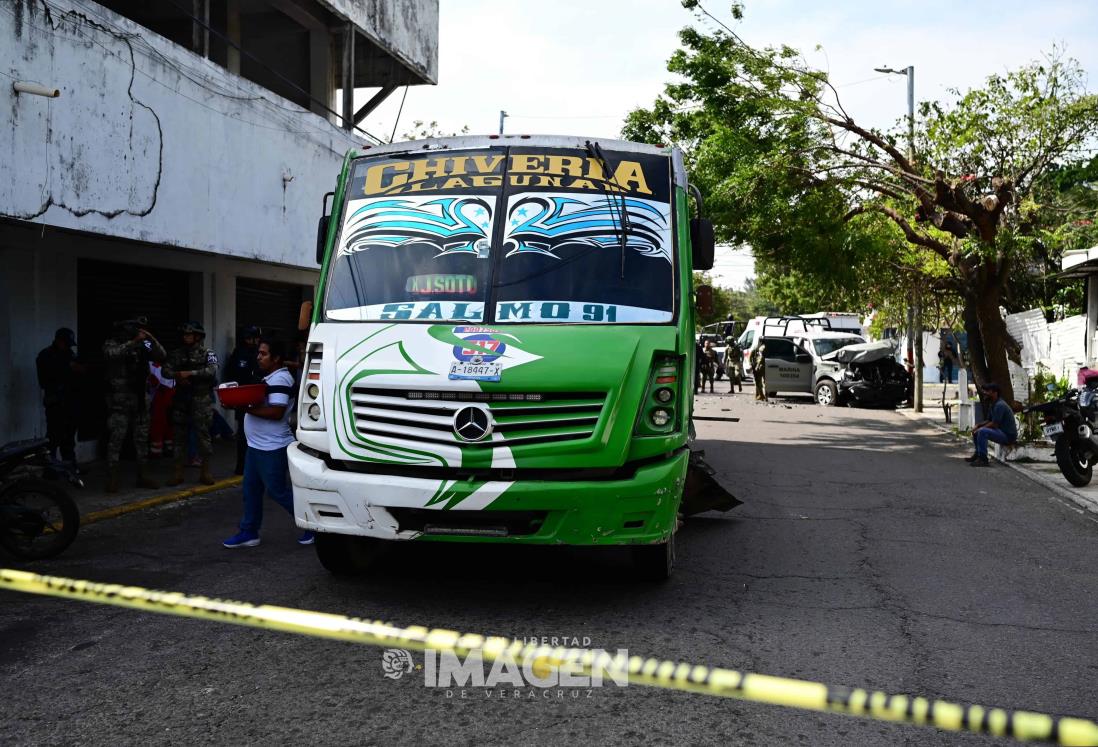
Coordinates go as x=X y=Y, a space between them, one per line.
x=490 y=350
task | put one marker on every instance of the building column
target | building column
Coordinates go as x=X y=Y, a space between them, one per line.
x=223 y=329
x=200 y=34
x=321 y=82
x=348 y=77
x=232 y=30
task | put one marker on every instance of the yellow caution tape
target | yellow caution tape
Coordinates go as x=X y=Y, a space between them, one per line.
x=758 y=688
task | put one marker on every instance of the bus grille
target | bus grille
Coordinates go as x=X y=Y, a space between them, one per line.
x=518 y=417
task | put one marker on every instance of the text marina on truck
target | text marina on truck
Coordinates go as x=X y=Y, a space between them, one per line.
x=502 y=350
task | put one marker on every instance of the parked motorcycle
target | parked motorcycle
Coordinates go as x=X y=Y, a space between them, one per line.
x=38 y=517
x=1070 y=423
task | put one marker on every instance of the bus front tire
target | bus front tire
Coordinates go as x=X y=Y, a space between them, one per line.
x=654 y=562
x=344 y=555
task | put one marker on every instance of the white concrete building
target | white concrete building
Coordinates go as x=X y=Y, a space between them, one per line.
x=181 y=169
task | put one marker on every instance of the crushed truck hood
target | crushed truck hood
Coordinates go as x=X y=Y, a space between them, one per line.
x=866 y=352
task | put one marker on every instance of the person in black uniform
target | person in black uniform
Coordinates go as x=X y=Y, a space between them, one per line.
x=243 y=369
x=57 y=369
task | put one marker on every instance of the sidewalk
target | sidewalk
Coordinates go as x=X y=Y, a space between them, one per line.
x=96 y=504
x=1044 y=473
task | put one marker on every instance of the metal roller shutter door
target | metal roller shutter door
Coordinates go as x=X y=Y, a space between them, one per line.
x=272 y=305
x=110 y=291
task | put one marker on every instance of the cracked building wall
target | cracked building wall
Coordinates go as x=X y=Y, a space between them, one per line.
x=150 y=142
x=152 y=156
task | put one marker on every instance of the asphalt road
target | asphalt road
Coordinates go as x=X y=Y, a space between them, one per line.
x=866 y=554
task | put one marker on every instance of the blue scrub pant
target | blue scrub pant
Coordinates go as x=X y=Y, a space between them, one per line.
x=265 y=471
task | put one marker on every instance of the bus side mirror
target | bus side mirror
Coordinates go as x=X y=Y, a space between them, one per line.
x=702 y=243
x=704 y=295
x=321 y=235
x=322 y=227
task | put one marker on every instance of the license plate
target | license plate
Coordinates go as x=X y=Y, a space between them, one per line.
x=1054 y=430
x=475 y=371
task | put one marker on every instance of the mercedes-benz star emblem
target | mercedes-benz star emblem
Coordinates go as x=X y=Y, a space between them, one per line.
x=472 y=424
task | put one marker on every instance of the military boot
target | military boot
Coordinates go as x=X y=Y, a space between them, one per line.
x=143 y=479
x=177 y=472
x=112 y=478
x=205 y=477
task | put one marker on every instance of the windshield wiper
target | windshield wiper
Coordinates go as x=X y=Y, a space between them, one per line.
x=595 y=151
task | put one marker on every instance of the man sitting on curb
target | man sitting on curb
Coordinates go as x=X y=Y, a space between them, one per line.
x=1000 y=427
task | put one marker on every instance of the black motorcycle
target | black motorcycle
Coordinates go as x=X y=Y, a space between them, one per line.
x=38 y=518
x=1069 y=422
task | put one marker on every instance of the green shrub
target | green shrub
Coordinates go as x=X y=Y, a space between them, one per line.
x=1043 y=387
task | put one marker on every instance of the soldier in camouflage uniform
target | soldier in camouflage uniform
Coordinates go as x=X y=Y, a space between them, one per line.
x=194 y=368
x=126 y=356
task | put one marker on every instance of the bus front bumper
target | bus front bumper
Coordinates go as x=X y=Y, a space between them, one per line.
x=640 y=510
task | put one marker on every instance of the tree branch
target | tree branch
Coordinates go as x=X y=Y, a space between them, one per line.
x=913 y=236
x=851 y=126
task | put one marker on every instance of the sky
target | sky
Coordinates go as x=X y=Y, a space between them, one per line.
x=579 y=66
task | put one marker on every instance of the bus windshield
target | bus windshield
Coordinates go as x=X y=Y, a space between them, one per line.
x=537 y=235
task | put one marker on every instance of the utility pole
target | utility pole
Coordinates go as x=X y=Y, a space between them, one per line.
x=915 y=313
x=502 y=116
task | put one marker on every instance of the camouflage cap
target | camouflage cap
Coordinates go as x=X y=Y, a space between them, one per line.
x=192 y=328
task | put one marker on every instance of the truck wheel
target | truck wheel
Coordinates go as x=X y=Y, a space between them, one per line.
x=827 y=394
x=654 y=562
x=344 y=555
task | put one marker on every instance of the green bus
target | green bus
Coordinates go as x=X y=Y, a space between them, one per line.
x=502 y=350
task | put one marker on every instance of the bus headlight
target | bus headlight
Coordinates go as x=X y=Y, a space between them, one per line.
x=660 y=418
x=314 y=412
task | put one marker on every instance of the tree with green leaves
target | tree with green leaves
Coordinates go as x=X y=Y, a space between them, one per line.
x=827 y=203
x=740 y=305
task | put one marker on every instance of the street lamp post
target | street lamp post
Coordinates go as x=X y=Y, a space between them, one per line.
x=915 y=314
x=908 y=71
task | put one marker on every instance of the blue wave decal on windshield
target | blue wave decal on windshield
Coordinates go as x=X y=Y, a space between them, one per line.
x=542 y=225
x=451 y=225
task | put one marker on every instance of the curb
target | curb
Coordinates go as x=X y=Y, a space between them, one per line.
x=158 y=500
x=1084 y=502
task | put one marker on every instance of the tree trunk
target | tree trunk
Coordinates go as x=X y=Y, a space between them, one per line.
x=995 y=339
x=976 y=357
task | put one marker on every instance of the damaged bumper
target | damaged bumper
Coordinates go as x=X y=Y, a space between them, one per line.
x=640 y=509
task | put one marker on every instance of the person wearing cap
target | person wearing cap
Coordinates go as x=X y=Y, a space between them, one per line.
x=57 y=370
x=1000 y=427
x=194 y=368
x=243 y=369
x=126 y=356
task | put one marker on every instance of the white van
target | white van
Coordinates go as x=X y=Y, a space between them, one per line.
x=747 y=339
